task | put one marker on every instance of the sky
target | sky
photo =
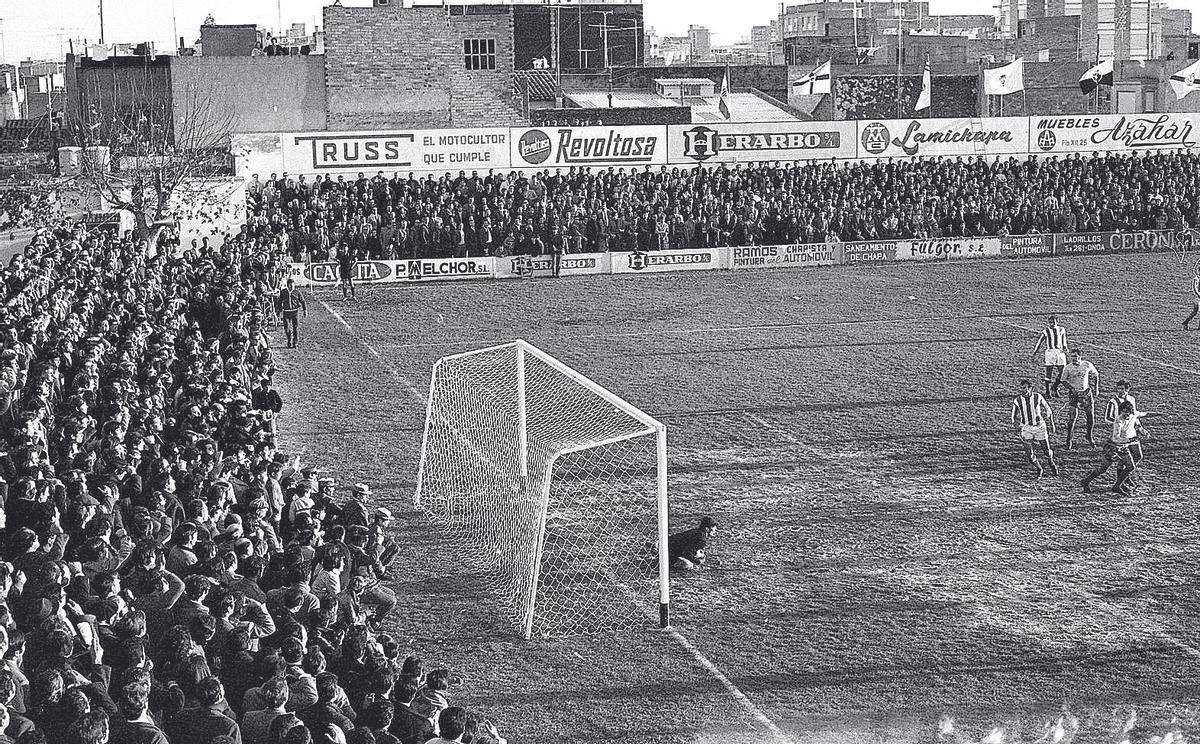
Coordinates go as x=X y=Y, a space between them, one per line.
x=42 y=29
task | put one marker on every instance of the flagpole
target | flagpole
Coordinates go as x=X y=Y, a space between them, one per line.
x=832 y=90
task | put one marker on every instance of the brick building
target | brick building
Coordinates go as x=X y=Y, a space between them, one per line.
x=390 y=67
x=1049 y=39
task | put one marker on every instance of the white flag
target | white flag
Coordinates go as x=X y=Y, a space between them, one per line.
x=1004 y=80
x=1184 y=81
x=815 y=83
x=926 y=89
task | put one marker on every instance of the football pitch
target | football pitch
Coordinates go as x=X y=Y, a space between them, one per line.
x=888 y=569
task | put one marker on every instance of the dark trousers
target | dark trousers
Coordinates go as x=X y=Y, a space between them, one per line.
x=1088 y=403
x=1053 y=379
x=291 y=328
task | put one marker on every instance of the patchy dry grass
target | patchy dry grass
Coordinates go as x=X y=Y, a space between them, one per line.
x=887 y=561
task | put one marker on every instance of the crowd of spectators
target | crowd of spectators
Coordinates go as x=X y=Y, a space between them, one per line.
x=575 y=210
x=167 y=575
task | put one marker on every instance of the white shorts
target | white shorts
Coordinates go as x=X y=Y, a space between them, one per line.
x=1055 y=358
x=1034 y=432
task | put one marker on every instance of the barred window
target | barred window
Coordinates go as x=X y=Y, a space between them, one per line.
x=479 y=54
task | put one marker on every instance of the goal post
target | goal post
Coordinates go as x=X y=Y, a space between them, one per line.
x=554 y=487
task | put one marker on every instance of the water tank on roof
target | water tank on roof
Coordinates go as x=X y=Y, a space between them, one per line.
x=70 y=161
x=97 y=156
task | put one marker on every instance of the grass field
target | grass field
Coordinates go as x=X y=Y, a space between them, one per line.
x=888 y=567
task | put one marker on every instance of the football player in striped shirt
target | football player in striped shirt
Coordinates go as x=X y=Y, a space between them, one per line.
x=1030 y=416
x=1054 y=339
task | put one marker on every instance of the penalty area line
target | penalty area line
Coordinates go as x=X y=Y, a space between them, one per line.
x=733 y=690
x=404 y=381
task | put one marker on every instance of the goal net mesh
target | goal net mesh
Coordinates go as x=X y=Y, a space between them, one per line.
x=567 y=541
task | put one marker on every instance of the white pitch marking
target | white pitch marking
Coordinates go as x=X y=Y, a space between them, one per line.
x=404 y=381
x=687 y=645
x=713 y=330
x=730 y=687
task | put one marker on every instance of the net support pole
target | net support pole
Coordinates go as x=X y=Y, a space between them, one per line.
x=664 y=560
x=425 y=437
x=522 y=415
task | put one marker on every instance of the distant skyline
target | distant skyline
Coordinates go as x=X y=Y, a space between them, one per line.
x=42 y=29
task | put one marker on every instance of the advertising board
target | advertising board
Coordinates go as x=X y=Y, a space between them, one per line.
x=325 y=273
x=348 y=153
x=653 y=262
x=720 y=142
x=897 y=138
x=391 y=272
x=1109 y=132
x=1075 y=243
x=556 y=147
x=871 y=251
x=944 y=249
x=777 y=256
x=571 y=264
x=1026 y=245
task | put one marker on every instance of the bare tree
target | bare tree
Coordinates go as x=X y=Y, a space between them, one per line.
x=159 y=137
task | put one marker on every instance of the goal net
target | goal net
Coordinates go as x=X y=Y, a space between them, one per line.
x=554 y=487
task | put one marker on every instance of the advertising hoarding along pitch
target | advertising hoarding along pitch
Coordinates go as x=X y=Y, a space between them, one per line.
x=571 y=264
x=348 y=153
x=1111 y=132
x=1026 y=245
x=652 y=262
x=324 y=274
x=943 y=249
x=897 y=138
x=776 y=256
x=558 y=147
x=870 y=251
x=747 y=143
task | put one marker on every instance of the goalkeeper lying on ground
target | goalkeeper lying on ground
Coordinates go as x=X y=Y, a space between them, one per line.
x=686 y=549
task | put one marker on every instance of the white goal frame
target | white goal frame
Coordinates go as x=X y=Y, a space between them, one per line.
x=652 y=427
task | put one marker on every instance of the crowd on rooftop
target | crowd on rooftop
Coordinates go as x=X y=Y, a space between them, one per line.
x=167 y=574
x=576 y=210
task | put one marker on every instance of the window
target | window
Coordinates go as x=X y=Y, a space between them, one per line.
x=691 y=90
x=479 y=54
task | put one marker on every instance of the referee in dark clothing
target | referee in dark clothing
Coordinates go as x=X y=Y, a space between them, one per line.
x=291 y=304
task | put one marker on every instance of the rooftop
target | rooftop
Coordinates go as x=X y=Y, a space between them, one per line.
x=742 y=106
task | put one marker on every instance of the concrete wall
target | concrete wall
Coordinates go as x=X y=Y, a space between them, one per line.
x=394 y=67
x=265 y=94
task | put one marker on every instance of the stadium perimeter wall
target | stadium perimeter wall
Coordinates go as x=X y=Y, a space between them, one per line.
x=438 y=151
x=1181 y=242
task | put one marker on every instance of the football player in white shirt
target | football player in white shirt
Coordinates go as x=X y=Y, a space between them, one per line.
x=1125 y=437
x=1111 y=412
x=1082 y=380
x=1054 y=339
x=1030 y=414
